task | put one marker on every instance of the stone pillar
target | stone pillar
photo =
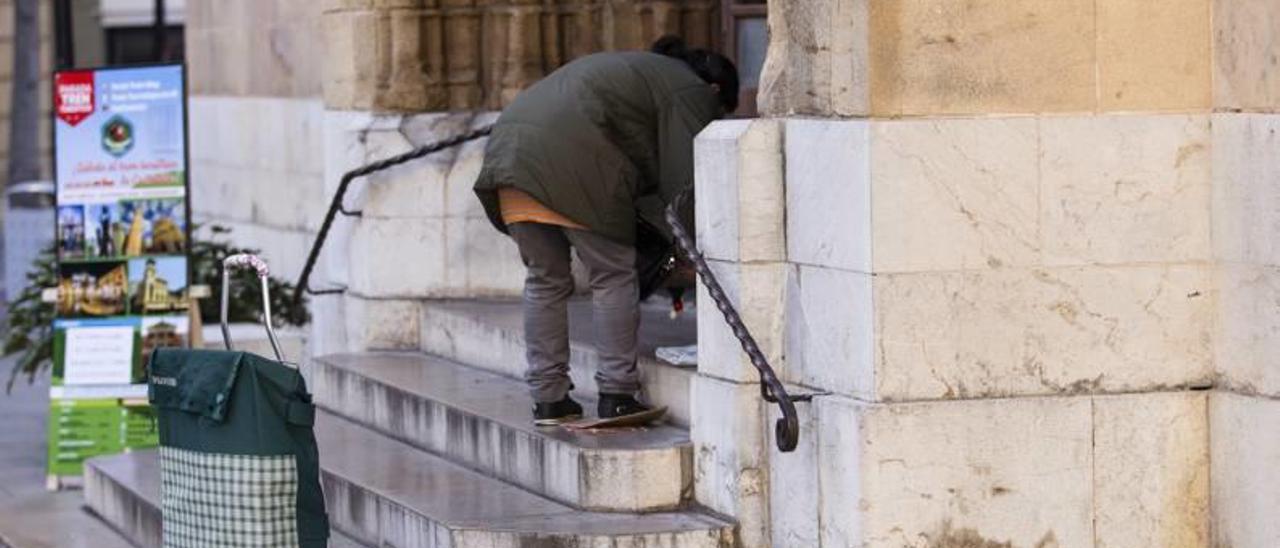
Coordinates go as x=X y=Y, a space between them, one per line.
x=740 y=218
x=1246 y=210
x=1028 y=253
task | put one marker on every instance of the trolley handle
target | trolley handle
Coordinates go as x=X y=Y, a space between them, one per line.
x=245 y=260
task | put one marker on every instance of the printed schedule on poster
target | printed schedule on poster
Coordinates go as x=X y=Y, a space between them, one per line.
x=120 y=148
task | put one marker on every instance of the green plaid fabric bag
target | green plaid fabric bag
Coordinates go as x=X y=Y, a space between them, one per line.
x=238 y=458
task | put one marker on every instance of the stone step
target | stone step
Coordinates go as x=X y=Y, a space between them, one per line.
x=45 y=520
x=382 y=492
x=489 y=335
x=124 y=491
x=388 y=493
x=482 y=420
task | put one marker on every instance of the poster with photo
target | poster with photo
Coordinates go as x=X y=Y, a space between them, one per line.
x=120 y=157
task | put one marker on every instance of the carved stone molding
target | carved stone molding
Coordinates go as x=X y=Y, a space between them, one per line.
x=432 y=55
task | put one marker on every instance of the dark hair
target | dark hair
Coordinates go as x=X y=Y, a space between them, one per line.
x=712 y=67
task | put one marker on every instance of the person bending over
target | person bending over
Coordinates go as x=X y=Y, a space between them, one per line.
x=572 y=163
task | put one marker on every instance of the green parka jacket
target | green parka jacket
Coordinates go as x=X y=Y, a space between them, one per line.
x=601 y=139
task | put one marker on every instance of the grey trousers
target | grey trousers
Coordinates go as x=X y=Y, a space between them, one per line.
x=547 y=287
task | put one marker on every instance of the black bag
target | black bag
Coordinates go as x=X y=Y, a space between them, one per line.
x=655 y=257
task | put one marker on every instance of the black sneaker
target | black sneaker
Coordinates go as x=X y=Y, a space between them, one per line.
x=551 y=414
x=618 y=405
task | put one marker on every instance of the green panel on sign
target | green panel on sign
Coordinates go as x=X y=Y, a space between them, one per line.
x=80 y=429
x=83 y=429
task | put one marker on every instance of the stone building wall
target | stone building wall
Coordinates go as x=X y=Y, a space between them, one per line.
x=257 y=121
x=6 y=84
x=1026 y=248
x=288 y=95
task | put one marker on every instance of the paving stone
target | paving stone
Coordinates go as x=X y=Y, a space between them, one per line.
x=54 y=520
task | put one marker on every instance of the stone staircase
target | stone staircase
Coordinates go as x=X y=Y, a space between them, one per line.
x=436 y=449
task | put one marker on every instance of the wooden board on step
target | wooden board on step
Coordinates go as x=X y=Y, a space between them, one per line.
x=635 y=419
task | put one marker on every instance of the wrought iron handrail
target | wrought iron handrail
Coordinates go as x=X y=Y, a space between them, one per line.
x=339 y=196
x=786 y=429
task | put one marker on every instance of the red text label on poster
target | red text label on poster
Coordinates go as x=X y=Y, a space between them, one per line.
x=73 y=96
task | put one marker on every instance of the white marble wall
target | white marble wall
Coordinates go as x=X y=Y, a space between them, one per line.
x=423 y=233
x=999 y=256
x=1246 y=202
x=1042 y=471
x=257 y=166
x=1244 y=413
x=268 y=168
x=1003 y=309
x=741 y=229
x=1245 y=454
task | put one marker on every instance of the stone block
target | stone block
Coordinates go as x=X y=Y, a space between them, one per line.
x=943 y=57
x=239 y=142
x=490 y=258
x=954 y=194
x=305 y=139
x=1151 y=469
x=1125 y=189
x=1042 y=331
x=283 y=248
x=1003 y=472
x=357 y=47
x=417 y=61
x=1154 y=55
x=381 y=324
x=344 y=149
x=1247 y=338
x=257 y=160
x=740 y=192
x=230 y=49
x=418 y=188
x=460 y=198
x=757 y=292
x=1244 y=454
x=793 y=483
x=817 y=59
x=285 y=63
x=401 y=258
x=218 y=193
x=197 y=45
x=1246 y=75
x=828 y=193
x=829 y=340
x=730 y=455
x=1246 y=199
x=286 y=200
x=327 y=332
x=411 y=190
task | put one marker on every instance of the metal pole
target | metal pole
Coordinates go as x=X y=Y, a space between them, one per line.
x=64 y=34
x=24 y=151
x=161 y=36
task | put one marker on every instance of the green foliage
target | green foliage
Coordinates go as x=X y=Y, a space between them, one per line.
x=30 y=331
x=246 y=290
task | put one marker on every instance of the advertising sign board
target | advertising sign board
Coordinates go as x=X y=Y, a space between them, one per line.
x=122 y=233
